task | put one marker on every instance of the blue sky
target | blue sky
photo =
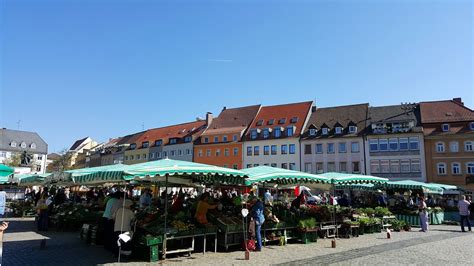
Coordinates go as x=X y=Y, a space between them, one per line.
x=71 y=69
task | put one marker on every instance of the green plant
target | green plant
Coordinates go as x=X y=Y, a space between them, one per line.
x=307 y=224
x=382 y=211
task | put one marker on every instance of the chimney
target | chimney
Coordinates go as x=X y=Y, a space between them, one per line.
x=224 y=108
x=458 y=100
x=208 y=118
x=313 y=108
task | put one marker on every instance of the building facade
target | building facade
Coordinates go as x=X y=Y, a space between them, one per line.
x=273 y=137
x=80 y=150
x=221 y=143
x=17 y=144
x=449 y=142
x=394 y=143
x=333 y=140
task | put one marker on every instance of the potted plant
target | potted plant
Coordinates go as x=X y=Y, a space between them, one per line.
x=308 y=230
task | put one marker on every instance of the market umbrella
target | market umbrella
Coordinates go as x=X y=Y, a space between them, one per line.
x=446 y=186
x=357 y=186
x=345 y=178
x=267 y=174
x=411 y=184
x=31 y=179
x=5 y=173
x=98 y=175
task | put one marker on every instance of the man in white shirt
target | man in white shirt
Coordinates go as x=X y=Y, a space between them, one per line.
x=463 y=207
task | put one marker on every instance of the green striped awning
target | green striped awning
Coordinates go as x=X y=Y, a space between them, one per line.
x=31 y=179
x=5 y=173
x=357 y=186
x=345 y=178
x=410 y=184
x=267 y=174
x=98 y=175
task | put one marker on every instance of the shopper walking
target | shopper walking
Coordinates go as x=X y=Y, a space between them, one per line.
x=258 y=216
x=423 y=211
x=463 y=206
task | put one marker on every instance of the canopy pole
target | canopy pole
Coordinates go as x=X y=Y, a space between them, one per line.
x=166 y=215
x=334 y=213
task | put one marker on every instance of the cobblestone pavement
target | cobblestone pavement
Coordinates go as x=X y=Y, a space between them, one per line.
x=442 y=245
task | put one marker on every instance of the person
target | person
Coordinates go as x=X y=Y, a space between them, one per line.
x=344 y=202
x=108 y=219
x=423 y=212
x=268 y=197
x=145 y=199
x=42 y=210
x=177 y=204
x=202 y=208
x=296 y=203
x=463 y=206
x=259 y=218
x=123 y=223
x=450 y=202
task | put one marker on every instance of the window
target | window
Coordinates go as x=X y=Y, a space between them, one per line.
x=138 y=156
x=277 y=132
x=289 y=131
x=236 y=151
x=441 y=168
x=292 y=166
x=226 y=152
x=415 y=166
x=284 y=149
x=260 y=122
x=199 y=153
x=384 y=166
x=274 y=149
x=40 y=157
x=352 y=129
x=454 y=146
x=253 y=134
x=32 y=146
x=172 y=153
x=144 y=156
x=13 y=144
x=383 y=144
x=374 y=166
x=3 y=154
x=249 y=166
x=319 y=168
x=235 y=166
x=355 y=147
x=342 y=147
x=308 y=167
x=256 y=150
x=249 y=151
x=403 y=144
x=330 y=147
x=319 y=148
x=188 y=151
x=216 y=139
x=218 y=152
x=266 y=150
x=235 y=138
x=471 y=126
x=125 y=158
x=284 y=165
x=292 y=148
x=159 y=155
x=405 y=166
x=266 y=133
x=208 y=153
x=282 y=121
x=224 y=138
x=338 y=130
x=394 y=166
x=445 y=127
x=188 y=139
x=158 y=142
x=152 y=155
x=468 y=146
x=271 y=121
x=180 y=152
x=312 y=132
x=470 y=168
x=355 y=167
x=145 y=144
x=456 y=168
x=373 y=145
x=307 y=149
x=294 y=120
x=393 y=144
x=38 y=168
x=440 y=147
x=414 y=143
x=325 y=131
x=173 y=141
x=273 y=165
x=133 y=146
x=206 y=140
x=342 y=167
x=23 y=145
x=331 y=167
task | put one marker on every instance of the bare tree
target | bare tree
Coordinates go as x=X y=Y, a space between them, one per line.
x=62 y=163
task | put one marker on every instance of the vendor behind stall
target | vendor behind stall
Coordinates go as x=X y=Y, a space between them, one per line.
x=202 y=207
x=296 y=203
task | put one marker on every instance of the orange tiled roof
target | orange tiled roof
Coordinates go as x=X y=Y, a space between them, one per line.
x=232 y=120
x=168 y=132
x=445 y=111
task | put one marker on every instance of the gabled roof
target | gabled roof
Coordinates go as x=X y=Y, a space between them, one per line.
x=175 y=131
x=78 y=143
x=232 y=120
x=129 y=139
x=344 y=116
x=7 y=136
x=279 y=112
x=394 y=113
x=445 y=111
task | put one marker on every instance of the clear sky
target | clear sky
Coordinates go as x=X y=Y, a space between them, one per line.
x=103 y=68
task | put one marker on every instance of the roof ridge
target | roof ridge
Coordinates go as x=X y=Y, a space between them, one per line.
x=185 y=123
x=285 y=104
x=341 y=106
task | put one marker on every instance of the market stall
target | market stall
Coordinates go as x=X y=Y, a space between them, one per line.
x=5 y=173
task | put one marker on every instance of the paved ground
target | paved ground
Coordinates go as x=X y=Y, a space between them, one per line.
x=442 y=245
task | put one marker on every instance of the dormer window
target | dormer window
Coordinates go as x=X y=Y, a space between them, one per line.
x=266 y=133
x=145 y=144
x=188 y=139
x=352 y=129
x=471 y=126
x=277 y=132
x=216 y=139
x=33 y=146
x=294 y=120
x=158 y=142
x=13 y=144
x=206 y=140
x=173 y=141
x=290 y=131
x=271 y=121
x=224 y=138
x=325 y=131
x=133 y=146
x=338 y=130
x=253 y=134
x=445 y=127
x=260 y=122
x=312 y=132
x=282 y=121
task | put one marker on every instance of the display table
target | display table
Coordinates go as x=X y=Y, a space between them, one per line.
x=413 y=220
x=436 y=218
x=282 y=229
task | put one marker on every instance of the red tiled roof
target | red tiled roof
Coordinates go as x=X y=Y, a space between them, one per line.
x=285 y=111
x=232 y=120
x=174 y=131
x=445 y=111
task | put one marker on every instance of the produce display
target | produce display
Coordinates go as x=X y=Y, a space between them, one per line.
x=69 y=216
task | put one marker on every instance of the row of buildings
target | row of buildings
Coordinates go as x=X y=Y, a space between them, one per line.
x=427 y=141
